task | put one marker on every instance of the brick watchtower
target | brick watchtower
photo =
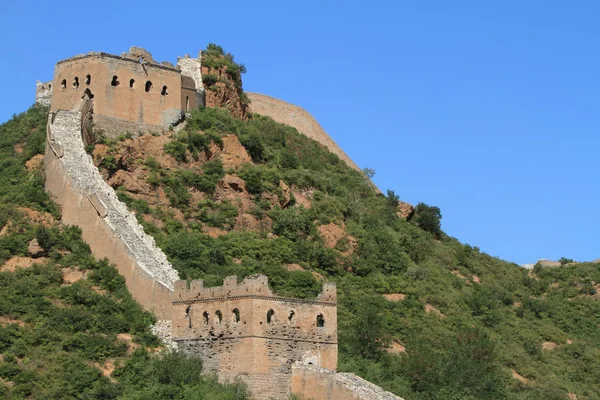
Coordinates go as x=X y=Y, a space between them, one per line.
x=130 y=92
x=246 y=331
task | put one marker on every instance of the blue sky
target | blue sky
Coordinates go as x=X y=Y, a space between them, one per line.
x=488 y=110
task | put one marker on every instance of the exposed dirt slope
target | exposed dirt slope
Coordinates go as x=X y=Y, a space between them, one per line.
x=299 y=118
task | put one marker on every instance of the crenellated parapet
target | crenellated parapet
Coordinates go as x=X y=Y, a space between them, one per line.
x=253 y=286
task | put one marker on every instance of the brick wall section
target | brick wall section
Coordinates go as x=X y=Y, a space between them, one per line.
x=298 y=118
x=259 y=351
x=107 y=226
x=321 y=384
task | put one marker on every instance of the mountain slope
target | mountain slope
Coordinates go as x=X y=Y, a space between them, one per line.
x=420 y=314
x=68 y=327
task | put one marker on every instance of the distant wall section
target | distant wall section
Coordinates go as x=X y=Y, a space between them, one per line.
x=298 y=118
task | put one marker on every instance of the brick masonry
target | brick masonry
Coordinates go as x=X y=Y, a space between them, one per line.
x=131 y=92
x=245 y=330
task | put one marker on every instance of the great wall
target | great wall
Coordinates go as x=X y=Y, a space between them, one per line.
x=241 y=330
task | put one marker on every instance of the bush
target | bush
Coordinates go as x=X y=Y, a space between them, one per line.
x=427 y=218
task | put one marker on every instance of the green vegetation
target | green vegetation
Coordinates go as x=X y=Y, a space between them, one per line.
x=56 y=335
x=468 y=321
x=215 y=57
x=493 y=316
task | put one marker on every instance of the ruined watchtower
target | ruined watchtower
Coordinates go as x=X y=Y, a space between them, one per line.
x=244 y=330
x=130 y=92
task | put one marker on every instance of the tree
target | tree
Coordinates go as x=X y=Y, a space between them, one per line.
x=368 y=336
x=427 y=218
x=369 y=172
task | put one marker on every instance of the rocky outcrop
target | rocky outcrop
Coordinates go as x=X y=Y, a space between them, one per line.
x=221 y=91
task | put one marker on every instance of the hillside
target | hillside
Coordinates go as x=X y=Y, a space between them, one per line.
x=69 y=328
x=233 y=192
x=420 y=314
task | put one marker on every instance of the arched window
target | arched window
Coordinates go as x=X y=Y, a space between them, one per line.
x=205 y=317
x=148 y=86
x=164 y=91
x=320 y=321
x=63 y=84
x=131 y=83
x=292 y=317
x=236 y=315
x=219 y=317
x=115 y=81
x=76 y=83
x=187 y=103
x=270 y=316
x=188 y=315
x=50 y=86
x=88 y=79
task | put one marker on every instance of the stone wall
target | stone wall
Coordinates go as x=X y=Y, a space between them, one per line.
x=246 y=331
x=321 y=384
x=192 y=88
x=108 y=227
x=298 y=118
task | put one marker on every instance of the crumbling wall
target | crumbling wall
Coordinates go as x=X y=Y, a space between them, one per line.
x=321 y=384
x=107 y=226
x=245 y=331
x=192 y=88
x=43 y=93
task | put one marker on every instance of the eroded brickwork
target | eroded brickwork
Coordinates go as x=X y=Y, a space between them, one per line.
x=246 y=331
x=43 y=93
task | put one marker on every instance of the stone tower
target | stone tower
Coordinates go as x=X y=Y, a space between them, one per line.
x=129 y=92
x=244 y=330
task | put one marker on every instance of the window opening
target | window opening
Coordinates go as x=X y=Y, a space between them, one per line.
x=76 y=83
x=115 y=81
x=88 y=79
x=187 y=103
x=205 y=318
x=320 y=321
x=49 y=86
x=188 y=316
x=63 y=84
x=236 y=315
x=164 y=91
x=131 y=83
x=148 y=86
x=219 y=317
x=270 y=316
x=292 y=317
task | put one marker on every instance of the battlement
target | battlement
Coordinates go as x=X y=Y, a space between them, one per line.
x=256 y=286
x=127 y=57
